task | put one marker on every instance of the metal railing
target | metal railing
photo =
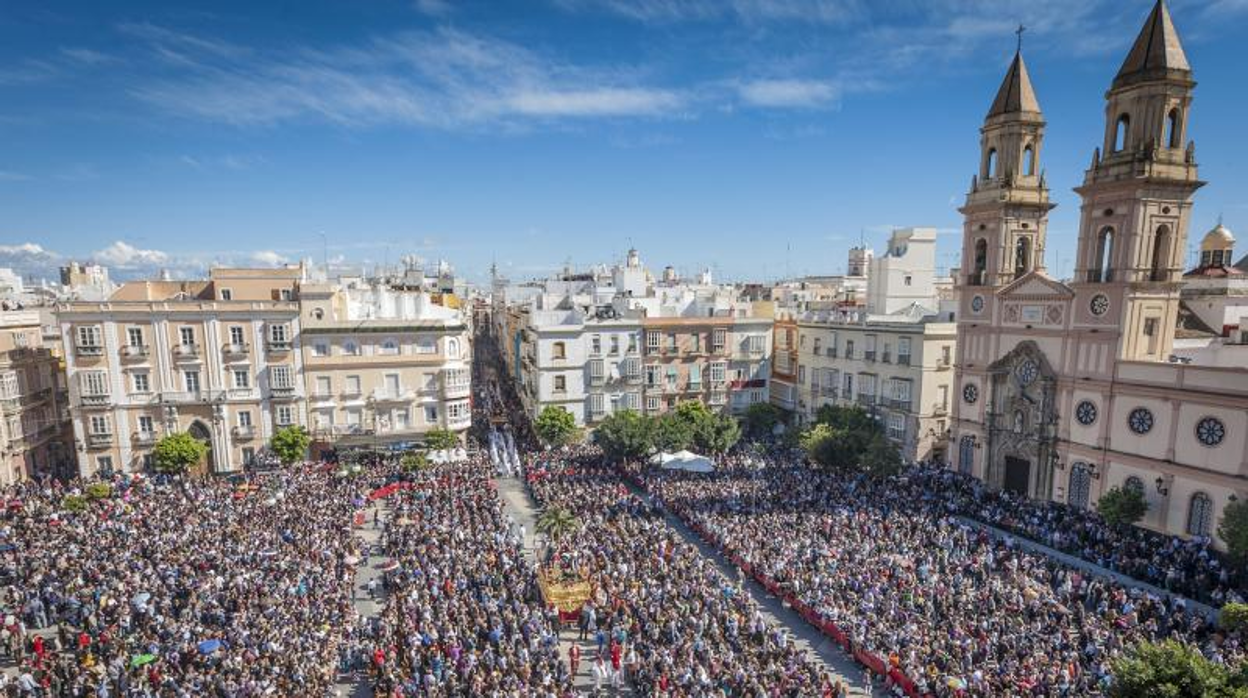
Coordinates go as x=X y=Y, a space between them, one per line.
x=135 y=351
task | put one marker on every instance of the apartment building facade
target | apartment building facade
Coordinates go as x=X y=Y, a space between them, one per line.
x=899 y=368
x=216 y=358
x=383 y=366
x=722 y=360
x=35 y=435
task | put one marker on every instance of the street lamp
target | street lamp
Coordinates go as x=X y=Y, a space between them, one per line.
x=1161 y=488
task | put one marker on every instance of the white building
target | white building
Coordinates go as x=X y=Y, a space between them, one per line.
x=905 y=274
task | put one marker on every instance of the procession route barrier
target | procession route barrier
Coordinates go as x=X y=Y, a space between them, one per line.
x=810 y=615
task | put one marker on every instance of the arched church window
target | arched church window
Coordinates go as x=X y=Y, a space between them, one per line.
x=1029 y=160
x=990 y=165
x=981 y=262
x=1079 y=486
x=1161 y=254
x=1022 y=256
x=1103 y=272
x=1173 y=136
x=1121 y=133
x=1199 y=515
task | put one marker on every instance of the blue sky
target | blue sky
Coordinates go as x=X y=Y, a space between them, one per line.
x=757 y=137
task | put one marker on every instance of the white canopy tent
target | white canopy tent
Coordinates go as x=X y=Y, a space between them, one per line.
x=683 y=460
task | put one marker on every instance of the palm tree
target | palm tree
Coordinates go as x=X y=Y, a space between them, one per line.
x=557 y=523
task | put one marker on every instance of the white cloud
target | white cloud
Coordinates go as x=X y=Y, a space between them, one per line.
x=6 y=176
x=268 y=258
x=124 y=255
x=434 y=8
x=445 y=79
x=24 y=248
x=788 y=93
x=751 y=11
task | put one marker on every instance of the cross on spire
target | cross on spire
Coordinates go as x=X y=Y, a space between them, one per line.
x=1019 y=32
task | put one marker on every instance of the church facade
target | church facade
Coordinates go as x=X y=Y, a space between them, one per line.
x=1065 y=390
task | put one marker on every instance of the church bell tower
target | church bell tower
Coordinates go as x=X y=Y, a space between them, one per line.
x=1137 y=197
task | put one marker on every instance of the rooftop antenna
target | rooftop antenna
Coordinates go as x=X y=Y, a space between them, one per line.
x=1019 y=32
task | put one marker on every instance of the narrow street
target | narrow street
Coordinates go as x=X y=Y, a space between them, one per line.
x=366 y=605
x=524 y=510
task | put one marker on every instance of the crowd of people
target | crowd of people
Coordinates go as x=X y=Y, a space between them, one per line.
x=463 y=614
x=664 y=618
x=178 y=588
x=953 y=607
x=1190 y=568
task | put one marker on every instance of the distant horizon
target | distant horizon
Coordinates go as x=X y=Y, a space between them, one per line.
x=758 y=138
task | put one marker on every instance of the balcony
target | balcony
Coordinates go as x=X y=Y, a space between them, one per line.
x=242 y=394
x=695 y=386
x=462 y=421
x=283 y=392
x=186 y=351
x=192 y=396
x=236 y=350
x=244 y=432
x=11 y=405
x=866 y=400
x=849 y=353
x=868 y=356
x=718 y=397
x=886 y=358
x=135 y=351
x=940 y=410
x=96 y=400
x=897 y=404
x=89 y=350
x=402 y=395
x=98 y=440
x=632 y=378
x=144 y=438
x=597 y=381
x=903 y=359
x=278 y=346
x=832 y=352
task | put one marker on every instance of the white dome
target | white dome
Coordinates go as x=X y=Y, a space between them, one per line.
x=1217 y=238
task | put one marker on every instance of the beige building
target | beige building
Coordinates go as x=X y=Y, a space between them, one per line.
x=897 y=367
x=217 y=358
x=383 y=366
x=1066 y=390
x=722 y=360
x=35 y=435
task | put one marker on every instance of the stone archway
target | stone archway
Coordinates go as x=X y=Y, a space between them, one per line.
x=201 y=432
x=1022 y=427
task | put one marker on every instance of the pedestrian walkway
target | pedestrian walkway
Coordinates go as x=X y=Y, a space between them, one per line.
x=367 y=604
x=803 y=635
x=524 y=510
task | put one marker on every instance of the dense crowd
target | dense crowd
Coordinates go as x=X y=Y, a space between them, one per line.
x=463 y=615
x=1190 y=568
x=951 y=606
x=662 y=614
x=179 y=588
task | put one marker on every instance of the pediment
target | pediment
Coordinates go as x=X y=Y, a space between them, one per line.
x=1036 y=285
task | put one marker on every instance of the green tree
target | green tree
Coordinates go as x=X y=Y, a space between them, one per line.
x=716 y=433
x=74 y=503
x=1233 y=528
x=557 y=523
x=177 y=452
x=1171 y=669
x=1233 y=616
x=625 y=435
x=819 y=442
x=440 y=439
x=1122 y=506
x=290 y=444
x=556 y=426
x=672 y=433
x=881 y=458
x=414 y=461
x=99 y=490
x=761 y=419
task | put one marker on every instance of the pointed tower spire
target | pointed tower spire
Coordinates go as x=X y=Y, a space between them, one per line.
x=1016 y=94
x=1157 y=52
